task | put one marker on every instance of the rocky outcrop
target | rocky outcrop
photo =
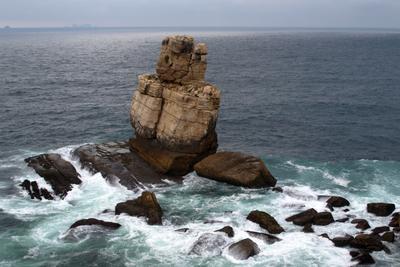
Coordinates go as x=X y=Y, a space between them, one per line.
x=323 y=218
x=361 y=224
x=266 y=221
x=174 y=112
x=244 y=249
x=57 y=172
x=34 y=192
x=237 y=169
x=115 y=160
x=337 y=202
x=381 y=209
x=93 y=221
x=302 y=218
x=146 y=205
x=267 y=238
x=342 y=241
x=365 y=241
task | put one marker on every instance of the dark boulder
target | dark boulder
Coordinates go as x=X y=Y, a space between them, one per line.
x=56 y=171
x=363 y=258
x=395 y=221
x=146 y=205
x=365 y=241
x=324 y=235
x=209 y=244
x=308 y=228
x=34 y=192
x=227 y=230
x=93 y=221
x=380 y=229
x=388 y=237
x=244 y=249
x=342 y=220
x=381 y=209
x=267 y=238
x=235 y=168
x=265 y=221
x=337 y=202
x=361 y=224
x=302 y=218
x=115 y=159
x=323 y=218
x=342 y=241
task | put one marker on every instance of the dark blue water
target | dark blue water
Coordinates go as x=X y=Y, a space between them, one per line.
x=321 y=107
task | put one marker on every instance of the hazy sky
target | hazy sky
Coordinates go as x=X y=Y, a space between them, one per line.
x=270 y=13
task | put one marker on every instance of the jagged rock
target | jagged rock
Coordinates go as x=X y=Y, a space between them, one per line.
x=93 y=221
x=34 y=192
x=277 y=189
x=209 y=244
x=174 y=112
x=59 y=173
x=323 y=218
x=302 y=218
x=381 y=209
x=265 y=221
x=361 y=224
x=115 y=160
x=380 y=229
x=235 y=168
x=244 y=249
x=388 y=237
x=342 y=241
x=182 y=61
x=146 y=205
x=267 y=238
x=363 y=258
x=342 y=220
x=324 y=235
x=308 y=228
x=365 y=241
x=337 y=202
x=227 y=230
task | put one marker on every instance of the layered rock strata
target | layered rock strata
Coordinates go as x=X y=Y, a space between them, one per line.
x=174 y=112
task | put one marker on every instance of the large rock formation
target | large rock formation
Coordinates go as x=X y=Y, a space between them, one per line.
x=174 y=112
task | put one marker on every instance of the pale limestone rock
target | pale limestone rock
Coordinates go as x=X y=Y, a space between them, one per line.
x=174 y=113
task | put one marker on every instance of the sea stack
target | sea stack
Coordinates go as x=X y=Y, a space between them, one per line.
x=174 y=112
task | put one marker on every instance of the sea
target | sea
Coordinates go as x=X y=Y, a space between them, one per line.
x=321 y=107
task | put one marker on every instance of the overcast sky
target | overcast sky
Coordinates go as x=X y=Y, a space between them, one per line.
x=269 y=13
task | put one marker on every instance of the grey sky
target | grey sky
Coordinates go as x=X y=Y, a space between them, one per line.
x=270 y=13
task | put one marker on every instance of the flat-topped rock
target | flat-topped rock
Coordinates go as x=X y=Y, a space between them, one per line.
x=116 y=160
x=237 y=169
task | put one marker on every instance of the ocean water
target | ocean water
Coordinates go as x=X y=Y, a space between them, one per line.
x=320 y=107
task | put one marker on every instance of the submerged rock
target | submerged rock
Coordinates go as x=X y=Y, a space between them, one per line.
x=363 y=258
x=342 y=241
x=244 y=249
x=337 y=202
x=308 y=228
x=59 y=173
x=146 y=205
x=323 y=218
x=237 y=169
x=302 y=218
x=174 y=112
x=365 y=241
x=395 y=221
x=381 y=209
x=266 y=221
x=267 y=238
x=209 y=244
x=228 y=230
x=115 y=160
x=93 y=221
x=361 y=224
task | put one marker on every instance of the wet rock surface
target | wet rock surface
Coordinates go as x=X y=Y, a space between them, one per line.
x=144 y=206
x=209 y=244
x=115 y=160
x=266 y=221
x=228 y=230
x=366 y=241
x=244 y=249
x=361 y=224
x=267 y=238
x=237 y=169
x=302 y=218
x=323 y=218
x=56 y=171
x=381 y=209
x=93 y=221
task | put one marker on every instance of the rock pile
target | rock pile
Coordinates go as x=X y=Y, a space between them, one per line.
x=174 y=112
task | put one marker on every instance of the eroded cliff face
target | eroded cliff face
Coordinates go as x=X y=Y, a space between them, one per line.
x=174 y=112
